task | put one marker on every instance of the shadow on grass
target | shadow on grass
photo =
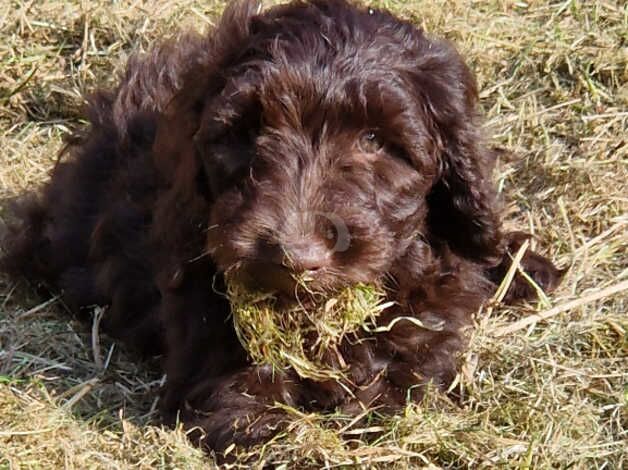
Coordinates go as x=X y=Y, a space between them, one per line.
x=41 y=342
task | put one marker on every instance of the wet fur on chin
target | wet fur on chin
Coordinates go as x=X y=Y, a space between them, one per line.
x=224 y=151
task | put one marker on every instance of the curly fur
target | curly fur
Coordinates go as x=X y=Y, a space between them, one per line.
x=236 y=152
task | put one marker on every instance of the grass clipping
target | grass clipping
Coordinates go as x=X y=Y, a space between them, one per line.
x=303 y=336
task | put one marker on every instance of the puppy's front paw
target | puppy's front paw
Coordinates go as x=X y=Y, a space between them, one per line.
x=539 y=268
x=238 y=409
x=240 y=426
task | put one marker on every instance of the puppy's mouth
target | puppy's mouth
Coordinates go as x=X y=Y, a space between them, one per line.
x=283 y=284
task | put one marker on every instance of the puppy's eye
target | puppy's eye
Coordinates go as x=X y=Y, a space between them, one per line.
x=370 y=142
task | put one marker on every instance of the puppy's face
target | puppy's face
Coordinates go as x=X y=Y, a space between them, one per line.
x=321 y=185
x=326 y=148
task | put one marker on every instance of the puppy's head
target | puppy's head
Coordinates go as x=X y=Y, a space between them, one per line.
x=336 y=137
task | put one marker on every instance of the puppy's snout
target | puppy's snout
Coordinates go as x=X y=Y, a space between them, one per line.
x=306 y=256
x=307 y=247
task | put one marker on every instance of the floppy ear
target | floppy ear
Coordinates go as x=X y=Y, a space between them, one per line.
x=200 y=112
x=225 y=138
x=182 y=208
x=461 y=204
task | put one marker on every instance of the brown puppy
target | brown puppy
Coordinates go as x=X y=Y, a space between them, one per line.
x=317 y=137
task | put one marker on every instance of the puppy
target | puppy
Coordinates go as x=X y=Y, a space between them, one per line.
x=318 y=137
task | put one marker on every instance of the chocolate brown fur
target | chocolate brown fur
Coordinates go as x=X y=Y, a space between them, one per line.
x=244 y=151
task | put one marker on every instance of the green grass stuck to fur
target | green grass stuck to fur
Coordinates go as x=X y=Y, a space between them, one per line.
x=304 y=336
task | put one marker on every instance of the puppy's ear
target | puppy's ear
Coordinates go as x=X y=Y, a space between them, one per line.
x=462 y=206
x=188 y=123
x=209 y=146
x=225 y=139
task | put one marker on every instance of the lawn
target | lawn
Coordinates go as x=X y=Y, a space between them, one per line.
x=544 y=385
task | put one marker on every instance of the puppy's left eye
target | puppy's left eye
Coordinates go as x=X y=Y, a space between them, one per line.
x=370 y=142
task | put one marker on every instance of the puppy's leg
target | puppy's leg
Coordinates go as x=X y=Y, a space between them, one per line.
x=200 y=341
x=210 y=387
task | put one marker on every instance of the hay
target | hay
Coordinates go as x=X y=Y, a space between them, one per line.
x=304 y=336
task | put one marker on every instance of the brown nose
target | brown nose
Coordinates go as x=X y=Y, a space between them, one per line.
x=306 y=256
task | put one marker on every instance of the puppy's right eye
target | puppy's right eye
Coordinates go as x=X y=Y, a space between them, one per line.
x=370 y=142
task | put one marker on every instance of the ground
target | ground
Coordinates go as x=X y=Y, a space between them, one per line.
x=549 y=393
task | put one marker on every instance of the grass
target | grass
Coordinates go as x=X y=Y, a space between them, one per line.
x=550 y=392
x=283 y=337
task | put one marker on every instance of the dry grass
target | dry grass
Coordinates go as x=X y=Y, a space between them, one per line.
x=552 y=393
